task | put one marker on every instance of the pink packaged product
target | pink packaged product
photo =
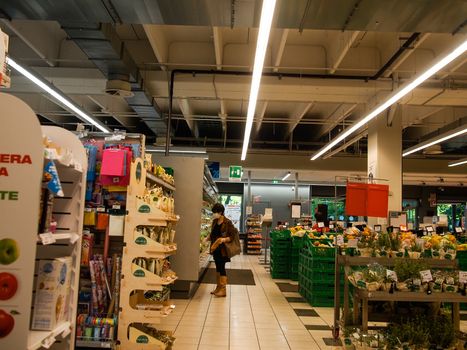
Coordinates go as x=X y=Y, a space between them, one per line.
x=113 y=162
x=116 y=180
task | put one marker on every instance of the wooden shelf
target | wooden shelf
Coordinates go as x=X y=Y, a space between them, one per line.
x=412 y=296
x=363 y=261
x=157 y=180
x=152 y=248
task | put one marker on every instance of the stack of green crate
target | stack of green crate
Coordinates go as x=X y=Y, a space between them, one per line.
x=461 y=257
x=297 y=245
x=280 y=254
x=316 y=275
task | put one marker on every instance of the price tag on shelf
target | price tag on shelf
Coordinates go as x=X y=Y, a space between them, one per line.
x=116 y=206
x=458 y=229
x=392 y=275
x=352 y=243
x=100 y=209
x=377 y=228
x=320 y=224
x=331 y=226
x=426 y=276
x=340 y=240
x=463 y=276
x=47 y=238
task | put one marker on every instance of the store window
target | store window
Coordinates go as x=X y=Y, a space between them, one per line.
x=336 y=209
x=459 y=220
x=445 y=209
x=410 y=206
x=233 y=208
x=455 y=213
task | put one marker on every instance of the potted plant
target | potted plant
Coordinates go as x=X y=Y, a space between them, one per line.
x=396 y=246
x=406 y=271
x=416 y=251
x=383 y=245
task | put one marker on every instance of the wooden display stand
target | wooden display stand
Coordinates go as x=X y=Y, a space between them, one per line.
x=134 y=277
x=20 y=185
x=363 y=296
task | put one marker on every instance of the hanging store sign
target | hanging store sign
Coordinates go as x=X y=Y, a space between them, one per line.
x=235 y=173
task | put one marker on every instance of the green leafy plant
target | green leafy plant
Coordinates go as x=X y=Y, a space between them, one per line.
x=409 y=332
x=384 y=241
x=395 y=242
x=417 y=248
x=408 y=269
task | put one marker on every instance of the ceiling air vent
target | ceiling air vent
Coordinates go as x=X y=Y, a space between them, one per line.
x=118 y=88
x=433 y=150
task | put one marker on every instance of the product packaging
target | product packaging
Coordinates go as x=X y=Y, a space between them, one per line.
x=86 y=247
x=52 y=293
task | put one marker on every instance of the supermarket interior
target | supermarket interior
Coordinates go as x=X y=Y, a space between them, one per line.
x=233 y=175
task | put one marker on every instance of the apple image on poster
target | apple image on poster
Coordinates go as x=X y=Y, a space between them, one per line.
x=8 y=285
x=7 y=323
x=9 y=251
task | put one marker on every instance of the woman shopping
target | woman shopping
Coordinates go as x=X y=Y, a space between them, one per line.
x=222 y=232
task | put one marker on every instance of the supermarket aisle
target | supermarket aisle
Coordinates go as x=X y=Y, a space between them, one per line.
x=251 y=317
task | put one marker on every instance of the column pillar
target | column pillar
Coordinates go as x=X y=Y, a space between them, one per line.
x=385 y=156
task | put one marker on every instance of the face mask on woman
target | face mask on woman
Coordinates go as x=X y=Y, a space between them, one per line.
x=216 y=216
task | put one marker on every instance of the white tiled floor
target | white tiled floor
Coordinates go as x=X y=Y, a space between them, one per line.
x=250 y=318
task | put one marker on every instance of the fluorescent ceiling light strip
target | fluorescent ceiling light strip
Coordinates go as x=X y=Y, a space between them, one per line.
x=54 y=93
x=177 y=151
x=441 y=138
x=458 y=162
x=396 y=97
x=267 y=13
x=286 y=176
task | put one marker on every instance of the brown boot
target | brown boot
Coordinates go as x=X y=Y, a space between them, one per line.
x=222 y=292
x=218 y=279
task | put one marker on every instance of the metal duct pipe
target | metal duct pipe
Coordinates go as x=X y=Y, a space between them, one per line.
x=102 y=45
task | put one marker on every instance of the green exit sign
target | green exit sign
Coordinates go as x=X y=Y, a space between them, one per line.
x=235 y=173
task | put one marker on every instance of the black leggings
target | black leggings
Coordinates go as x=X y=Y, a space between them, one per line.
x=219 y=260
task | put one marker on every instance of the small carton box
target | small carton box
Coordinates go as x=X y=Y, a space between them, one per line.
x=52 y=293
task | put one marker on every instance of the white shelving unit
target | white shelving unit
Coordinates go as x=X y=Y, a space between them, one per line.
x=45 y=339
x=22 y=141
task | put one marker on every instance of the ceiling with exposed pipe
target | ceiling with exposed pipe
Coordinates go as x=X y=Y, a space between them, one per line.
x=328 y=62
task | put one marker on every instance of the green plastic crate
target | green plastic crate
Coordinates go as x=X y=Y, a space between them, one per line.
x=322 y=252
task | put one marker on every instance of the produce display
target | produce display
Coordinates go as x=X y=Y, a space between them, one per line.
x=408 y=276
x=418 y=331
x=404 y=244
x=205 y=231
